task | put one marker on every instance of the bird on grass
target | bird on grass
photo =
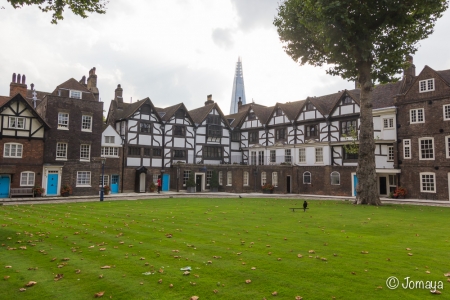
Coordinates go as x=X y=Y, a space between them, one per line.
x=305 y=205
x=240 y=196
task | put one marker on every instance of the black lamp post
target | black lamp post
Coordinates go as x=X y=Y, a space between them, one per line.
x=102 y=189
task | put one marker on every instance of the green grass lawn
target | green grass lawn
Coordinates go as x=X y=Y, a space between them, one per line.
x=354 y=249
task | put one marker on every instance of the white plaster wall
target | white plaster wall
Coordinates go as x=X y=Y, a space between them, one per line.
x=145 y=140
x=133 y=161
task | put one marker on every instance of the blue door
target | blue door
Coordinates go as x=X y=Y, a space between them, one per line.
x=52 y=184
x=355 y=183
x=114 y=184
x=4 y=186
x=166 y=182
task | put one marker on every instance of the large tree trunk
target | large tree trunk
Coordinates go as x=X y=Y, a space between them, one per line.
x=367 y=192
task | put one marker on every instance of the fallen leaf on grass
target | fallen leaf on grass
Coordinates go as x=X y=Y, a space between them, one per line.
x=30 y=283
x=194 y=298
x=447 y=274
x=22 y=289
x=248 y=281
x=364 y=252
x=274 y=293
x=410 y=254
x=102 y=249
x=8 y=267
x=58 y=276
x=408 y=249
x=437 y=292
x=99 y=294
x=6 y=277
x=428 y=272
x=311 y=251
x=105 y=267
x=379 y=287
x=298 y=297
x=299 y=255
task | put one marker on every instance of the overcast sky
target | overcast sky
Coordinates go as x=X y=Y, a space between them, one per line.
x=173 y=51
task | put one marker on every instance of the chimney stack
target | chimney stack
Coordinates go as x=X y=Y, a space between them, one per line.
x=209 y=100
x=410 y=72
x=92 y=83
x=118 y=92
x=18 y=85
x=83 y=80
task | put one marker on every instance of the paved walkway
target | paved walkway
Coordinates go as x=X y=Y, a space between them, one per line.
x=170 y=194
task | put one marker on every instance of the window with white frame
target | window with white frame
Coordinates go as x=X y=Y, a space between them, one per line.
x=307 y=177
x=302 y=155
x=27 y=178
x=407 y=149
x=426 y=148
x=208 y=177
x=75 y=94
x=274 y=178
x=319 y=155
x=85 y=152
x=390 y=156
x=229 y=178
x=388 y=123
x=446 y=112
x=392 y=183
x=427 y=182
x=186 y=175
x=253 y=157
x=246 y=180
x=83 y=178
x=426 y=85
x=447 y=146
x=110 y=151
x=273 y=157
x=17 y=122
x=220 y=178
x=335 y=178
x=13 y=150
x=287 y=155
x=61 y=151
x=155 y=178
x=263 y=178
x=109 y=139
x=86 y=123
x=416 y=116
x=63 y=120
x=105 y=180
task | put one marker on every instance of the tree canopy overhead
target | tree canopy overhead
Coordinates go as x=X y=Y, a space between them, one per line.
x=78 y=7
x=362 y=40
x=343 y=33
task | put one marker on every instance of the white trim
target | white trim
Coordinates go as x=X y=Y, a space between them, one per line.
x=426 y=85
x=388 y=123
x=310 y=177
x=331 y=178
x=28 y=178
x=416 y=116
x=274 y=178
x=421 y=182
x=84 y=184
x=75 y=92
x=90 y=123
x=16 y=151
x=420 y=147
x=16 y=119
x=246 y=179
x=443 y=112
x=407 y=146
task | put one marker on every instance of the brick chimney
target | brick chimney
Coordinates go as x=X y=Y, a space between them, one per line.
x=209 y=100
x=18 y=85
x=410 y=72
x=118 y=96
x=92 y=83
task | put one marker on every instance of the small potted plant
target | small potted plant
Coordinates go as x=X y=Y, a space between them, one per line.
x=152 y=187
x=400 y=192
x=66 y=190
x=38 y=190
x=267 y=188
x=214 y=183
x=190 y=183
x=106 y=189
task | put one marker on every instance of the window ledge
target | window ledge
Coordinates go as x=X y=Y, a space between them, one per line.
x=61 y=159
x=83 y=186
x=63 y=128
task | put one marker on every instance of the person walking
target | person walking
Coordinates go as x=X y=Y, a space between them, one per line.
x=159 y=183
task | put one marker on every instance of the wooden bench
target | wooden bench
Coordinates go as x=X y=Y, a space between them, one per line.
x=21 y=192
x=294 y=208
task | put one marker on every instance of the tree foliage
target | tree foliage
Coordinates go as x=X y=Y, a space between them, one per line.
x=78 y=7
x=367 y=41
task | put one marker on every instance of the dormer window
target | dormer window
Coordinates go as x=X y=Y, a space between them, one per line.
x=426 y=85
x=251 y=116
x=75 y=94
x=179 y=114
x=17 y=122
